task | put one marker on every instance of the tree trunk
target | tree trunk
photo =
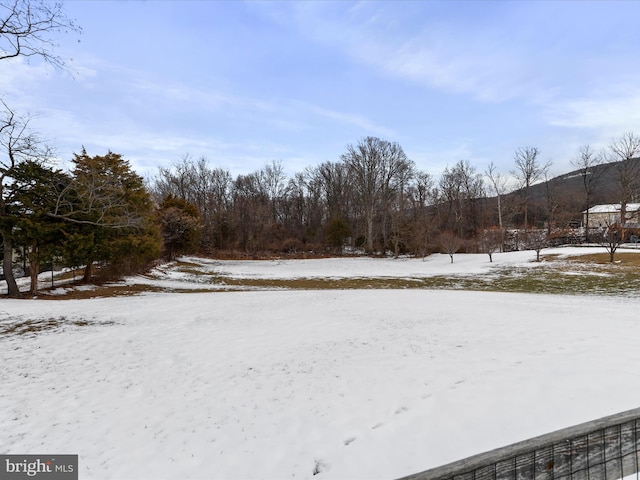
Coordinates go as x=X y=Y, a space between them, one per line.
x=88 y=271
x=500 y=223
x=370 y=231
x=34 y=267
x=586 y=220
x=586 y=226
x=7 y=266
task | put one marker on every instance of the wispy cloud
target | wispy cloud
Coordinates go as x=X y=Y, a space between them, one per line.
x=614 y=114
x=436 y=55
x=287 y=114
x=435 y=160
x=17 y=78
x=345 y=118
x=503 y=54
x=182 y=93
x=608 y=113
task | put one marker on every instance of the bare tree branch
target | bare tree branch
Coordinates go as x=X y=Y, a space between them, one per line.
x=27 y=28
x=528 y=171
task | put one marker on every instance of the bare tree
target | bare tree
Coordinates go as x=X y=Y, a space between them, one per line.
x=624 y=151
x=450 y=243
x=332 y=197
x=397 y=198
x=294 y=212
x=336 y=187
x=420 y=196
x=589 y=165
x=552 y=197
x=177 y=181
x=460 y=189
x=499 y=184
x=528 y=171
x=272 y=181
x=207 y=188
x=251 y=212
x=491 y=240
x=375 y=165
x=450 y=201
x=537 y=240
x=610 y=238
x=472 y=185
x=28 y=27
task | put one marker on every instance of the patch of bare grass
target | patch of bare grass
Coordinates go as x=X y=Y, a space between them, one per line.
x=588 y=274
x=194 y=270
x=184 y=264
x=102 y=291
x=622 y=257
x=35 y=326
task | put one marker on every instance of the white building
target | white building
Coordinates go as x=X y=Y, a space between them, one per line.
x=601 y=216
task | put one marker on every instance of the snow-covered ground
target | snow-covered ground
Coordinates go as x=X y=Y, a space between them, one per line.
x=329 y=384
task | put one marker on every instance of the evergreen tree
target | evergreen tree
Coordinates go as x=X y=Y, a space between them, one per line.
x=17 y=145
x=33 y=190
x=111 y=213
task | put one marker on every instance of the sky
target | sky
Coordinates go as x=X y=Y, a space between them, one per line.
x=247 y=83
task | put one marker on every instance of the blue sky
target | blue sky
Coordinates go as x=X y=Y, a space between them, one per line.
x=245 y=83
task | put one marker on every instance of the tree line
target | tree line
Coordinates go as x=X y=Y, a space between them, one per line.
x=375 y=198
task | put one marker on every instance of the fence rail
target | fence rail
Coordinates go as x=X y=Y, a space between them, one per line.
x=603 y=449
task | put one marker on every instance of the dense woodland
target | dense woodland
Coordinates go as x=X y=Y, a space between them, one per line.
x=371 y=198
x=375 y=199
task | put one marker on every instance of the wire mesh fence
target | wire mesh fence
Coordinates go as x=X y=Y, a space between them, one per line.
x=604 y=449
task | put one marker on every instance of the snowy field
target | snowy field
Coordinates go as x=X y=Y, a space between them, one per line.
x=327 y=384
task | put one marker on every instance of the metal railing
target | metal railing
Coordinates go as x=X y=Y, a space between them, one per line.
x=603 y=449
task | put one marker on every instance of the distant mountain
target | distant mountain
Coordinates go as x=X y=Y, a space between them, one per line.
x=568 y=189
x=568 y=196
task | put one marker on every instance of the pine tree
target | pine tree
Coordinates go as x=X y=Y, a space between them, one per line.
x=111 y=212
x=33 y=192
